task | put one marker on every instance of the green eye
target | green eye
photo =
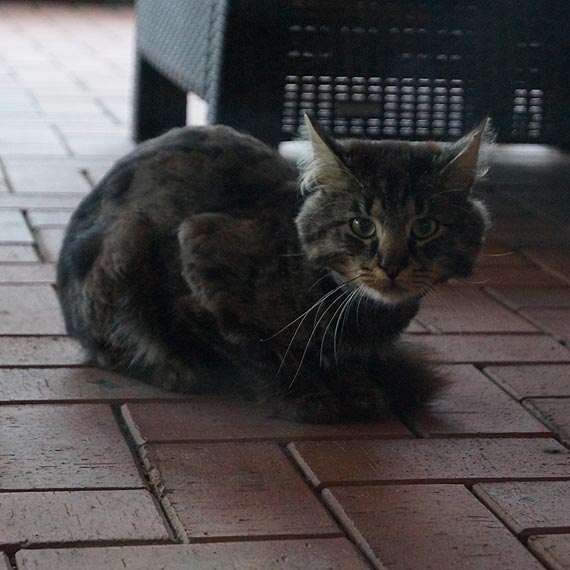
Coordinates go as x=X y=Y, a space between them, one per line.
x=362 y=227
x=424 y=228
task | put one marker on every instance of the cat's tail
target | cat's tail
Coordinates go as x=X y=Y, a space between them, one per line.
x=410 y=377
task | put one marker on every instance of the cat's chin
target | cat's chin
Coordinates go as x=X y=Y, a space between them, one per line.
x=390 y=295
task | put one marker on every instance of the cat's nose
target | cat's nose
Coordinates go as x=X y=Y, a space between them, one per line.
x=392 y=267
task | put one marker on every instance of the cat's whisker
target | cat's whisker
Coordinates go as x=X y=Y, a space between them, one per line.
x=497 y=254
x=466 y=281
x=318 y=281
x=344 y=306
x=346 y=312
x=331 y=321
x=301 y=324
x=361 y=295
x=325 y=296
x=344 y=293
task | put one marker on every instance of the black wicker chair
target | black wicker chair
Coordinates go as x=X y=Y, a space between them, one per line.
x=380 y=69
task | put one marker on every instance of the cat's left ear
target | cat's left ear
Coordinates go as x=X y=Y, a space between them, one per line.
x=466 y=163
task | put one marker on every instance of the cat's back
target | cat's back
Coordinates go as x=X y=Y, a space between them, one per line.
x=190 y=170
x=165 y=180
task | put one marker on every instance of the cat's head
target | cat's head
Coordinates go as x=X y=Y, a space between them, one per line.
x=392 y=217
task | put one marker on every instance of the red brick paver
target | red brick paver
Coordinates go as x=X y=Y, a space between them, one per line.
x=32 y=519
x=500 y=277
x=17 y=254
x=533 y=507
x=518 y=298
x=431 y=461
x=49 y=242
x=556 y=414
x=29 y=309
x=494 y=348
x=310 y=554
x=473 y=405
x=46 y=177
x=39 y=351
x=469 y=311
x=57 y=447
x=27 y=273
x=399 y=528
x=236 y=490
x=13 y=228
x=33 y=385
x=554 y=550
x=554 y=321
x=233 y=419
x=531 y=381
x=42 y=217
x=554 y=260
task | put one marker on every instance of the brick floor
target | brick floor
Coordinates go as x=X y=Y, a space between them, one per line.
x=231 y=490
x=518 y=298
x=39 y=351
x=554 y=321
x=554 y=550
x=534 y=507
x=32 y=519
x=398 y=527
x=17 y=254
x=313 y=554
x=493 y=348
x=531 y=381
x=469 y=311
x=34 y=385
x=555 y=412
x=102 y=471
x=57 y=447
x=431 y=461
x=29 y=309
x=473 y=405
x=232 y=419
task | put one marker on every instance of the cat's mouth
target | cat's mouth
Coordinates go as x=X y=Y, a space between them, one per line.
x=390 y=292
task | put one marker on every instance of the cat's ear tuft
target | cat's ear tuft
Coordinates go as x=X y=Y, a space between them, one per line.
x=467 y=160
x=326 y=169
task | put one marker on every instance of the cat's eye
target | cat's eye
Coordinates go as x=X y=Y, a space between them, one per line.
x=424 y=228
x=363 y=227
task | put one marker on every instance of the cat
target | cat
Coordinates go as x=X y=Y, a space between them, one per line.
x=202 y=259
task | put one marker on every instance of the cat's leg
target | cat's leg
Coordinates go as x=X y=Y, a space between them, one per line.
x=220 y=254
x=117 y=300
x=301 y=396
x=397 y=380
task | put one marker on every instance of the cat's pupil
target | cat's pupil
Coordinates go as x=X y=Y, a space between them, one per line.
x=362 y=227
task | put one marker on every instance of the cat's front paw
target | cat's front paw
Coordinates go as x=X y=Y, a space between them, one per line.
x=364 y=402
x=314 y=408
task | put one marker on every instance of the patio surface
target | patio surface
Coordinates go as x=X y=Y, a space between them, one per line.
x=101 y=472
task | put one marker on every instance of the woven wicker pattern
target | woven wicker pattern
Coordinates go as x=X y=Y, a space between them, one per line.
x=184 y=39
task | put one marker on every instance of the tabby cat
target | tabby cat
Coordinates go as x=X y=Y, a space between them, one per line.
x=202 y=259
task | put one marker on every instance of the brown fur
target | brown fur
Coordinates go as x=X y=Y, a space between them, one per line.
x=196 y=263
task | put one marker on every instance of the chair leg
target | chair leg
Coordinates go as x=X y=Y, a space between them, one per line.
x=160 y=105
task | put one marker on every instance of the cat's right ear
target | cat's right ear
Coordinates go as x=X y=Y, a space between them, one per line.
x=467 y=163
x=326 y=169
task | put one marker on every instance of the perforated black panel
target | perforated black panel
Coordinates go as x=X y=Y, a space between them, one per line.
x=417 y=69
x=538 y=50
x=385 y=69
